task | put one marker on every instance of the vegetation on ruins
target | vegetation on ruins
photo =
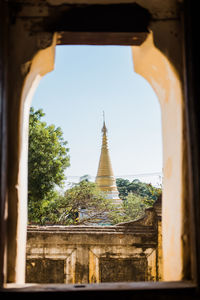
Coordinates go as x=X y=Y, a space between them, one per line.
x=84 y=204
x=146 y=191
x=137 y=196
x=134 y=207
x=47 y=160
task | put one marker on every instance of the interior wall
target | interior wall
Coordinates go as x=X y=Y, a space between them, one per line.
x=32 y=55
x=30 y=58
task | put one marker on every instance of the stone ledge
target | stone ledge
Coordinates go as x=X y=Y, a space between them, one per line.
x=175 y=285
x=90 y=229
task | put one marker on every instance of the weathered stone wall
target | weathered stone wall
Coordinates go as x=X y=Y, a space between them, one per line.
x=92 y=254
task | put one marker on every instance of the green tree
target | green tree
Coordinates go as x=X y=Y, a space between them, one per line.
x=136 y=187
x=85 y=204
x=137 y=196
x=134 y=207
x=47 y=160
x=123 y=187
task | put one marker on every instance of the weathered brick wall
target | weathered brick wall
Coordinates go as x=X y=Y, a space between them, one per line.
x=90 y=254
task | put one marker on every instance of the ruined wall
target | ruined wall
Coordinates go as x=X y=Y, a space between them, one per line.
x=93 y=254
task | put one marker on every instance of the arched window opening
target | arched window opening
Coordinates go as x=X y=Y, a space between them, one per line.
x=114 y=181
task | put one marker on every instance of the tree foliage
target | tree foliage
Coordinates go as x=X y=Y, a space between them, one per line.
x=83 y=204
x=141 y=189
x=47 y=160
x=134 y=207
x=137 y=196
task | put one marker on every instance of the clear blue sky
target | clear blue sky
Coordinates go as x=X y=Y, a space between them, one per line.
x=88 y=80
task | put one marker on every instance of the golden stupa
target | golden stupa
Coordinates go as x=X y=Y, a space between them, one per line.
x=105 y=179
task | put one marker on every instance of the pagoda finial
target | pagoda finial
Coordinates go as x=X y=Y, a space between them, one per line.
x=104 y=129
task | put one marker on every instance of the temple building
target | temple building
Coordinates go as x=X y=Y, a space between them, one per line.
x=105 y=179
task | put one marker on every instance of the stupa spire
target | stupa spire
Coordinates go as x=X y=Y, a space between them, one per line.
x=105 y=178
x=104 y=131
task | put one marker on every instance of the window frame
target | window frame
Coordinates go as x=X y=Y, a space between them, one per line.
x=184 y=288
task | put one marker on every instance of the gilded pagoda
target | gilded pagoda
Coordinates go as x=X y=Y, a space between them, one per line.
x=105 y=179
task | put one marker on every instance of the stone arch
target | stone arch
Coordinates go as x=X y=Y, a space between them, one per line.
x=157 y=68
x=41 y=61
x=161 y=50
